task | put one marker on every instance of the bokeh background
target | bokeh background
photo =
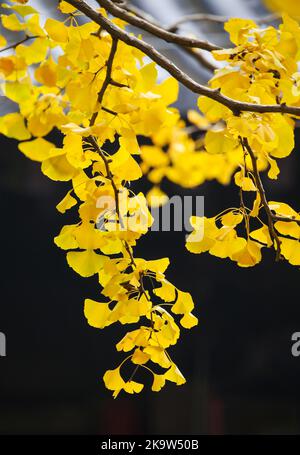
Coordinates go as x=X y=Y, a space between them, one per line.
x=241 y=375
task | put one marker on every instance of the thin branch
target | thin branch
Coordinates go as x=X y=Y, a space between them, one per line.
x=155 y=30
x=108 y=77
x=235 y=106
x=128 y=249
x=198 y=55
x=261 y=190
x=13 y=46
x=202 y=17
x=286 y=219
x=92 y=141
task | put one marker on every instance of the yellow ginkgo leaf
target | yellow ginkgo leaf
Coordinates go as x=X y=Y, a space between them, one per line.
x=85 y=263
x=124 y=165
x=35 y=52
x=262 y=235
x=217 y=142
x=274 y=169
x=283 y=209
x=12 y=22
x=158 y=355
x=133 y=387
x=238 y=29
x=166 y=292
x=184 y=303
x=56 y=30
x=66 y=203
x=188 y=321
x=139 y=357
x=12 y=125
x=246 y=183
x=288 y=6
x=97 y=313
x=290 y=249
x=36 y=150
x=46 y=74
x=204 y=235
x=159 y=381
x=175 y=375
x=66 y=239
x=113 y=380
x=22 y=9
x=66 y=8
x=256 y=206
x=213 y=110
x=232 y=219
x=292 y=229
x=249 y=256
x=158 y=265
x=57 y=167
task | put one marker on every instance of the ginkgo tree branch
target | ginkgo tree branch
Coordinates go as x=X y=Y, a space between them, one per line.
x=273 y=234
x=203 y=17
x=196 y=54
x=108 y=77
x=261 y=190
x=108 y=80
x=154 y=29
x=13 y=46
x=234 y=105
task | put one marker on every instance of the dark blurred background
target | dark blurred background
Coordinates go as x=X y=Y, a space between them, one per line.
x=241 y=376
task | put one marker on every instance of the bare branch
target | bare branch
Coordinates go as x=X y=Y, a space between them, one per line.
x=108 y=78
x=235 y=106
x=261 y=190
x=286 y=219
x=198 y=55
x=13 y=46
x=202 y=17
x=154 y=29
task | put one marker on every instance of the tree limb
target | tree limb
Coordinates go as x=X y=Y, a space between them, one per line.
x=261 y=190
x=234 y=105
x=197 y=54
x=154 y=29
x=108 y=77
x=203 y=17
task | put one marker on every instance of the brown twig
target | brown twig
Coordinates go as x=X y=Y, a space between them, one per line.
x=235 y=106
x=13 y=46
x=154 y=29
x=285 y=219
x=203 y=17
x=127 y=247
x=108 y=77
x=261 y=190
x=198 y=55
x=92 y=141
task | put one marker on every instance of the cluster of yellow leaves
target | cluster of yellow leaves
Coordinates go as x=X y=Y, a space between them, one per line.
x=261 y=69
x=55 y=76
x=175 y=155
x=222 y=236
